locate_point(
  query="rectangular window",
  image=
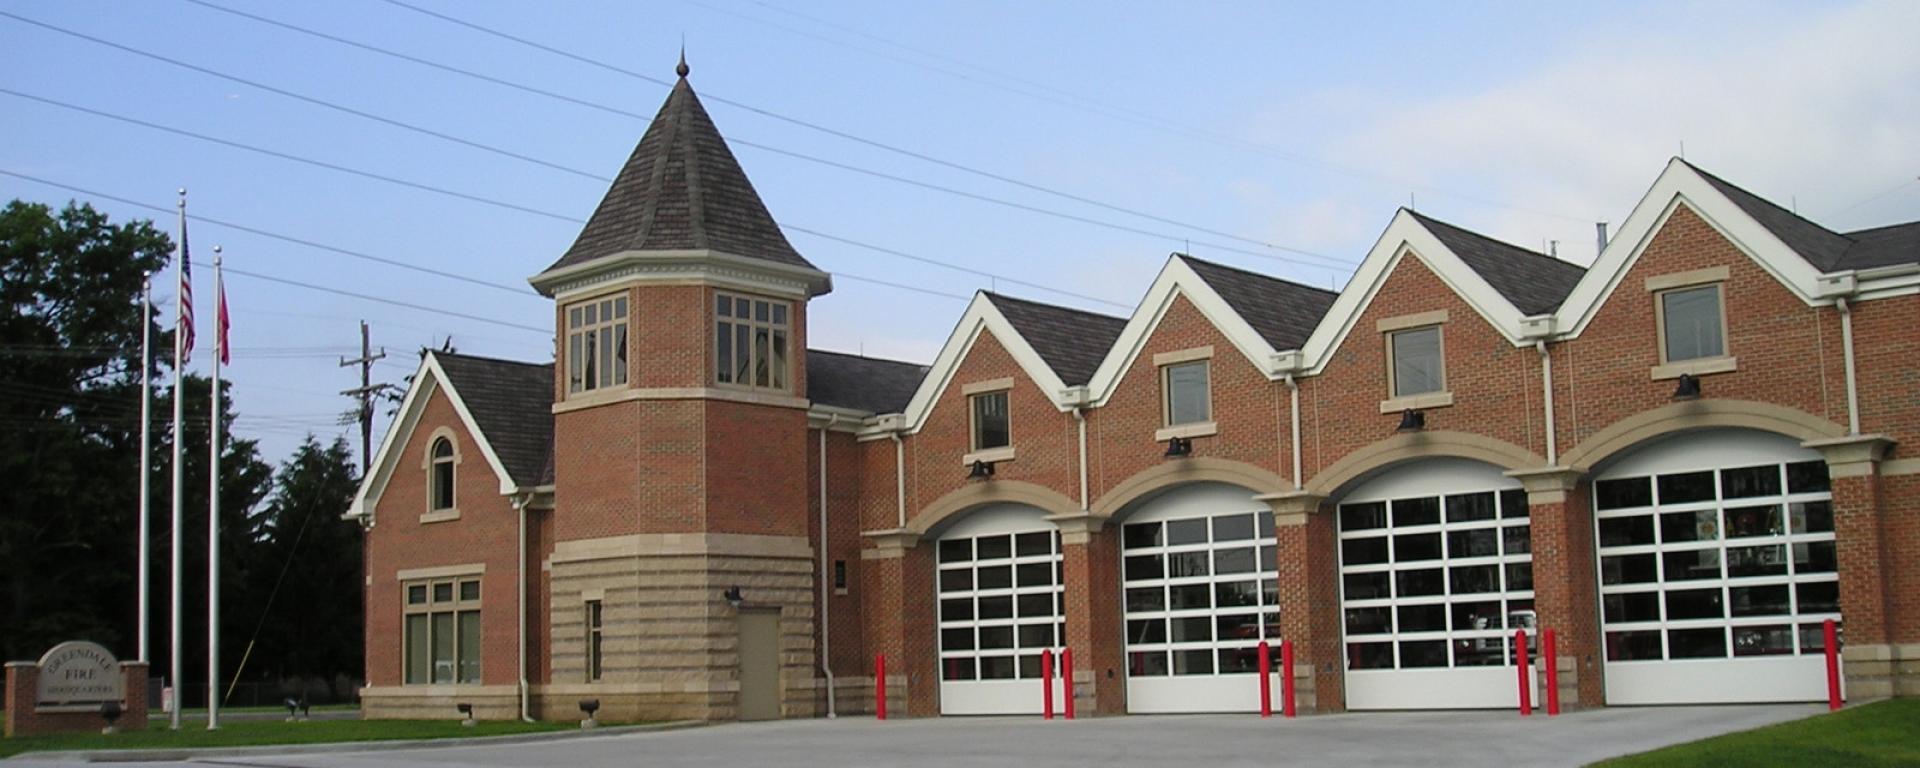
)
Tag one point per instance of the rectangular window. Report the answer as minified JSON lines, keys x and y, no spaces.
{"x":593,"y":641}
{"x":752,"y":339}
{"x":1188,"y":399}
{"x":990,"y":427}
{"x":597,"y":344}
{"x":1692,"y":324}
{"x":1417,"y":367}
{"x":840,"y":575}
{"x":441,"y":632}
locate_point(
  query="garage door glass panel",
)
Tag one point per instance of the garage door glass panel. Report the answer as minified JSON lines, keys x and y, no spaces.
{"x":1716,"y":564}
{"x":1438,"y":582}
{"x":1207,"y":610}
{"x":999,"y":604}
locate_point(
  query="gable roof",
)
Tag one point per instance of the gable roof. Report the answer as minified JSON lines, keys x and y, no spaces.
{"x":1282,"y":312}
{"x":1825,"y":249}
{"x":512,"y":404}
{"x":1883,"y":246}
{"x":862,"y":383}
{"x":682,"y":190}
{"x":1071,"y":341}
{"x":1534,"y":282}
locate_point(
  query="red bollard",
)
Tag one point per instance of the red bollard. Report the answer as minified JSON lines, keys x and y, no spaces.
{"x":1066,"y":678}
{"x":1550,"y":657}
{"x":1526,"y":690}
{"x":880,"y":686}
{"x":1046,"y":684}
{"x":1833,"y":664}
{"x":1286,"y":677}
{"x":1266,"y":682}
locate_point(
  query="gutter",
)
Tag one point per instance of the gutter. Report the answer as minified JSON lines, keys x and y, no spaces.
{"x":520,"y":504}
{"x":826,"y":577}
{"x":1846,"y":346}
{"x":1546,"y":389}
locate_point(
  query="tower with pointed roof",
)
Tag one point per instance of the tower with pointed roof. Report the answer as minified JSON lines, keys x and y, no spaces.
{"x":680,"y":423}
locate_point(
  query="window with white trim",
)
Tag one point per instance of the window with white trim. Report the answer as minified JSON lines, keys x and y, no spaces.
{"x":1692,"y":323}
{"x":441,"y":632}
{"x":597,"y":344}
{"x":751,"y":337}
{"x":1416,"y":365}
{"x":991,"y":426}
{"x":1188,"y":396}
{"x":441,"y":475}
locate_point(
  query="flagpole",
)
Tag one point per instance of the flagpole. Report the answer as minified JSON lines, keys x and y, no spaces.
{"x":146,"y":453}
{"x":213,"y":506}
{"x":179,"y":476}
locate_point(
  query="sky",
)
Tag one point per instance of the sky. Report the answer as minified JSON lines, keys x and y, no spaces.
{"x":919,"y":151}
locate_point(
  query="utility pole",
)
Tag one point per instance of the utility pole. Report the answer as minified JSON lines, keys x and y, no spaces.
{"x":365,"y":393}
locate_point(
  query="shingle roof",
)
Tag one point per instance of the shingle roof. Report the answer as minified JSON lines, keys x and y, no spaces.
{"x":1284,"y":313}
{"x":1071,"y":341}
{"x":682,"y":189}
{"x":1825,"y":249}
{"x":1535,"y":282}
{"x":512,"y":403}
{"x":1881,"y":246}
{"x":861,"y":383}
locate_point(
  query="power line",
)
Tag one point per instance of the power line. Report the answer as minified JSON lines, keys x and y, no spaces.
{"x":291,"y":157}
{"x":1124,"y":114}
{"x":392,"y":302}
{"x":522,"y":290}
{"x":763,"y":112}
{"x":296,"y":96}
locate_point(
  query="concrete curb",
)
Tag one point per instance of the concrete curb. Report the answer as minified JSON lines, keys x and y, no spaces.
{"x":175,"y":755}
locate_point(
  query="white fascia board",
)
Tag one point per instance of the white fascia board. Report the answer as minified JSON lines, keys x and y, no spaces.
{"x":428,"y":378}
{"x":1679,"y":183}
{"x":1177,"y":278}
{"x":382,"y":463}
{"x":981,"y":316}
{"x":1405,"y":237}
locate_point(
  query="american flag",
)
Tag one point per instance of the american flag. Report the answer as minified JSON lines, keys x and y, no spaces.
{"x":220,"y":319}
{"x":185,"y":325}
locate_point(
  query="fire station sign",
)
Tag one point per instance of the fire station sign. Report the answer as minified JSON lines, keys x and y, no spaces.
{"x":79,"y":672}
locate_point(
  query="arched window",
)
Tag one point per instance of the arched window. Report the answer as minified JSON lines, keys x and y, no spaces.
{"x":442,"y":475}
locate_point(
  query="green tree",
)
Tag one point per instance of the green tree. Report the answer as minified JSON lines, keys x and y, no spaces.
{"x":305,"y":596}
{"x":69,"y":423}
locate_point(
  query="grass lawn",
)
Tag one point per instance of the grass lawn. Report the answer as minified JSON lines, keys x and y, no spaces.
{"x":1885,"y":733}
{"x":258,"y":732}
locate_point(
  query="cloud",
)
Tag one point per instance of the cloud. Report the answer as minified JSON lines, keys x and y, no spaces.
{"x":1817,"y":104}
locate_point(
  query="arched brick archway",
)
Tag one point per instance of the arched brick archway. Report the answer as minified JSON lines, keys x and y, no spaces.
{"x":958,"y":502}
{"x":1419,"y":445}
{"x":1185,"y":472}
{"x":1627,"y":433}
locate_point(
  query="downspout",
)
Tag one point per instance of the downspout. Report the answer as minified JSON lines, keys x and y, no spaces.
{"x":826,"y":577}
{"x":1080,"y":416}
{"x":520,"y":506}
{"x":900,"y":478}
{"x":1546,"y":389}
{"x":1294,"y":386}
{"x":1846,"y":346}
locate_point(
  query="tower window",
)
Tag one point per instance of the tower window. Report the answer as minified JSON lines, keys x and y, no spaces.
{"x":751,"y":338}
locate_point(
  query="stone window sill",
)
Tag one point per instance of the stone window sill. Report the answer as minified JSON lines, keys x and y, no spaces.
{"x":440,"y":516}
{"x":1196,"y":429}
{"x":1416,"y":402}
{"x":988,"y":455}
{"x":1699,"y":367}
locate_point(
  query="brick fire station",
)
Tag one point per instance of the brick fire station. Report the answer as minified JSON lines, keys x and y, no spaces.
{"x":1683,"y":459}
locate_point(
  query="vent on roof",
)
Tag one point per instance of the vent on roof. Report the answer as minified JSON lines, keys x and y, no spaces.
{"x":1601,"y":229}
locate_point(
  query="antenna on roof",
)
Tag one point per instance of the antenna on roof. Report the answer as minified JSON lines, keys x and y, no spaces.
{"x":1553,"y":248}
{"x":1411,"y":206}
{"x":1796,"y":204}
{"x":1683,"y":149}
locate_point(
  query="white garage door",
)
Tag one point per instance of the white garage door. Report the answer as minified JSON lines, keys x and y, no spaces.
{"x":1436,"y":572}
{"x":1717,"y":567}
{"x":1201,"y":593}
{"x":999,"y":584}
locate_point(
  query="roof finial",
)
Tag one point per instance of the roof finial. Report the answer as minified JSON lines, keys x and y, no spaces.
{"x":682,"y":69}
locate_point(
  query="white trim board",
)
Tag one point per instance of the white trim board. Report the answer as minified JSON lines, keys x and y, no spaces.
{"x":981,"y":315}
{"x":426,"y":380}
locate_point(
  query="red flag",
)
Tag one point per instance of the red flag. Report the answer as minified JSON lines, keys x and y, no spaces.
{"x":224,"y":324}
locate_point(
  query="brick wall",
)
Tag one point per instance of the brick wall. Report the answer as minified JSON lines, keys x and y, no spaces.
{"x":486,"y":533}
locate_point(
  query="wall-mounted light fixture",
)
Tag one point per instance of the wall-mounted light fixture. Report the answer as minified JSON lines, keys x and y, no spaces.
{"x":1179,"y":447}
{"x":1689,"y":389}
{"x":981,"y":470}
{"x":732,"y":594}
{"x":1412,"y":420}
